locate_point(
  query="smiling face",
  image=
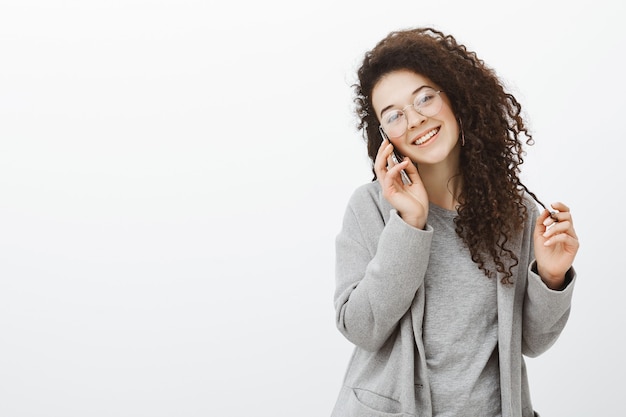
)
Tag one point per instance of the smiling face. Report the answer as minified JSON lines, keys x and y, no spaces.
{"x":427,"y":140}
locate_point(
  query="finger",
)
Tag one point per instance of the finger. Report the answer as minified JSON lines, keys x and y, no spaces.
{"x":548,"y":218}
{"x":559,"y":206}
{"x":558,"y":216}
{"x":563,"y":238}
{"x":395,"y":172}
{"x":391,"y":160}
{"x":558,"y":228}
{"x":561,"y":214}
{"x":411,"y":171}
{"x":380,"y":163}
{"x":386,"y":153}
{"x":564,"y":227}
{"x":544,"y":219}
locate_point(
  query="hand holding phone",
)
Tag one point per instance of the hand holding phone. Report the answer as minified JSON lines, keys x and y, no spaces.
{"x":396,"y":158}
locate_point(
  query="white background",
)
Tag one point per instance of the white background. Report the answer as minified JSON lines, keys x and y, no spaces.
{"x":173,"y":174}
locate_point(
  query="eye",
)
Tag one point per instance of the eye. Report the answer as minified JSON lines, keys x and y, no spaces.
{"x":393,"y":117}
{"x":425,"y":98}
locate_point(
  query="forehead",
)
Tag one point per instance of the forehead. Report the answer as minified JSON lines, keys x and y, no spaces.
{"x":396,"y":89}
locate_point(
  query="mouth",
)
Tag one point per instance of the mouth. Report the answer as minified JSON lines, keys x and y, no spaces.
{"x":426,"y":137}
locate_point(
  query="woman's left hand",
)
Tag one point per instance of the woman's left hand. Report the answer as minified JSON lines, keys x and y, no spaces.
{"x":556,"y":245}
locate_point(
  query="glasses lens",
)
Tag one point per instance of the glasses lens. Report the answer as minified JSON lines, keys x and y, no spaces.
{"x":428,"y":103}
{"x":394,"y":123}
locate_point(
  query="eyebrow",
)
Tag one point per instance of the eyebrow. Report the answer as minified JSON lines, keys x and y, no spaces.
{"x":413,"y":93}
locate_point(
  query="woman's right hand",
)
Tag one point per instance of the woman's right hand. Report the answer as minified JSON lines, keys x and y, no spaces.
{"x":410,"y":200}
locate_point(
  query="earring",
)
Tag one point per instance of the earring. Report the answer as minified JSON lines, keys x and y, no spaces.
{"x":462,"y":132}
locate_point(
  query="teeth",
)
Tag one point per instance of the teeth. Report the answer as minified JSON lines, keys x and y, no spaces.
{"x":426,"y":136}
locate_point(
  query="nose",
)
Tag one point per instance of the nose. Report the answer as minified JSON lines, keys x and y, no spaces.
{"x":413,"y":117}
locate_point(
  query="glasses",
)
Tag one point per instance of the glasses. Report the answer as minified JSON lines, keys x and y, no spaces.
{"x":427,"y":103}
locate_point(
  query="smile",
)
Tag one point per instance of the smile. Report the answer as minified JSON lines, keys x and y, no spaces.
{"x":424,"y":138}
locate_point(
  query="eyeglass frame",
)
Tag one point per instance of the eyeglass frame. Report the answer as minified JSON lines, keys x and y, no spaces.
{"x":437,"y":92}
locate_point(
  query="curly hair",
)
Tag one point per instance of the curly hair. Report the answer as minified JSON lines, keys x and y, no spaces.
{"x":491,"y":203}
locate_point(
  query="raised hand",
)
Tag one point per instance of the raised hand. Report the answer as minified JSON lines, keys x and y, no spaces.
{"x":410,"y":200}
{"x":556,"y":245}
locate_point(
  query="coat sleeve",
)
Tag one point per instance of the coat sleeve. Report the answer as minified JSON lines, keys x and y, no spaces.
{"x":545,"y":311}
{"x":380,"y":264}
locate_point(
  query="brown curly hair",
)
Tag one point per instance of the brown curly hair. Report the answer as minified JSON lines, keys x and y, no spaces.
{"x":491,"y":209}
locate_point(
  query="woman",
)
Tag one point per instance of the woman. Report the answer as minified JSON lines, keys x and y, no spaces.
{"x":447,"y":271}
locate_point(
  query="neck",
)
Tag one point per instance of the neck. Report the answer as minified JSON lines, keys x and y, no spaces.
{"x":442,"y":184}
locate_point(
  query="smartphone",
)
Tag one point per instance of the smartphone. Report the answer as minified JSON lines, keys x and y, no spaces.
{"x":396,"y":158}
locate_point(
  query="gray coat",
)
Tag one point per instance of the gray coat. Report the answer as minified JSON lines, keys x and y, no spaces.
{"x":379,"y":302}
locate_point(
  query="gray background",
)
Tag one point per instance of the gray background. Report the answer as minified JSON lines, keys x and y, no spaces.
{"x":173,"y":174}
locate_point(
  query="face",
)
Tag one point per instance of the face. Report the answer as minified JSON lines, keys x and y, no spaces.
{"x":427,"y":140}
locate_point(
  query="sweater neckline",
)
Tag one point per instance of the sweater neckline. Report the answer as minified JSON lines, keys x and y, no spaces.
{"x":442,"y":211}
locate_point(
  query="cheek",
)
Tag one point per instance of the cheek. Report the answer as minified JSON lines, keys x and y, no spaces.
{"x":450,"y":119}
{"x":400,"y":140}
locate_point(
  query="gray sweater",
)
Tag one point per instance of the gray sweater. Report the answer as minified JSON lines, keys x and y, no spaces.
{"x":381,"y":264}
